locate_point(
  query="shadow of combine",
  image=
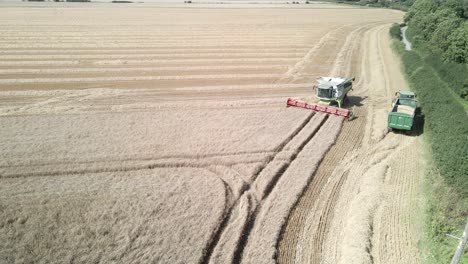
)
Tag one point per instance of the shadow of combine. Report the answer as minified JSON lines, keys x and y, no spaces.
{"x":352,"y":100}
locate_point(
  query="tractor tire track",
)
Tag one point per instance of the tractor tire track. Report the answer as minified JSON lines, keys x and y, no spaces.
{"x":208,"y":252}
{"x":289,"y":243}
{"x":319,"y":228}
{"x":251,"y":221}
{"x":291,"y":247}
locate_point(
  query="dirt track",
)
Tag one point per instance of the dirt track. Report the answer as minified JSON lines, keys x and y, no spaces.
{"x":198,"y":93}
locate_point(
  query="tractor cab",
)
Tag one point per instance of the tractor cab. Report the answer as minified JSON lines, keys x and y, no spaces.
{"x":405,"y":95}
{"x":407,"y":98}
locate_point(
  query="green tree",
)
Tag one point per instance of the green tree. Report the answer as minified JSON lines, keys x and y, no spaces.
{"x":446,"y":22}
{"x":454,"y":5}
{"x":422,"y":19}
{"x":458,"y":48}
{"x":465,"y":8}
{"x":421,"y":8}
{"x":425,"y":24}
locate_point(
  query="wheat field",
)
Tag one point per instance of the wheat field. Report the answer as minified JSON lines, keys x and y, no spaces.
{"x":159,"y":134}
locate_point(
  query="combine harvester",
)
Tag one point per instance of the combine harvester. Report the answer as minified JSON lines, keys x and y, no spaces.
{"x":330,"y":90}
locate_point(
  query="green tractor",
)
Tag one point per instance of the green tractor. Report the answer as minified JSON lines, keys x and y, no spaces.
{"x":402,"y":114}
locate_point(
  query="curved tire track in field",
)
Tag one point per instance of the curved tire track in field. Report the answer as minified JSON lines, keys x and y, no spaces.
{"x":216,"y":237}
{"x":238,"y":256}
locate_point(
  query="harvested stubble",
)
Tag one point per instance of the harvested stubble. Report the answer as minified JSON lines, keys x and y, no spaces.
{"x":248,"y":170}
{"x":227,"y":244}
{"x":268,"y":177}
{"x":88,"y":141}
{"x":63,"y":150}
{"x":262,"y":243}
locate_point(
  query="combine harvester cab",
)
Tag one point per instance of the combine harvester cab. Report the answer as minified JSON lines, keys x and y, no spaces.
{"x":402,"y":114}
{"x":329,"y":90}
{"x":332,"y":90}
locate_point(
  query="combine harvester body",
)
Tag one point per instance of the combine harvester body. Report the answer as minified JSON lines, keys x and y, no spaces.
{"x":332,"y":90}
{"x":329,"y":90}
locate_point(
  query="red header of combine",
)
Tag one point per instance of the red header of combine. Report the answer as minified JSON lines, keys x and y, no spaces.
{"x":319,"y":108}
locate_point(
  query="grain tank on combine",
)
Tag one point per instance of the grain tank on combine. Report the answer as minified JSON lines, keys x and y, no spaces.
{"x":329,"y":90}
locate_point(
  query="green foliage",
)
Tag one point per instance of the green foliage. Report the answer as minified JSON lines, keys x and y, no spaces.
{"x":441,"y":27}
{"x":400,"y":5}
{"x":446,"y":129}
{"x":438,"y":29}
{"x":414,"y":62}
{"x":445,"y":121}
{"x":446,"y":211}
{"x":457,"y":51}
{"x":447,"y":125}
{"x":395,"y":31}
{"x":427,"y":23}
{"x":464,"y":92}
{"x":440,"y":38}
{"x":465,"y":8}
{"x":420,"y":8}
{"x":455,"y":5}
{"x":454,"y":74}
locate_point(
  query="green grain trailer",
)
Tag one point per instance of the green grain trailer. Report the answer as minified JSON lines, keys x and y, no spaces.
{"x":403,"y":111}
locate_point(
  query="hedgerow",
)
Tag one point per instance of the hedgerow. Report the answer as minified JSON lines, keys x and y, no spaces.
{"x":395,"y":31}
{"x":447,"y":125}
{"x":445,"y":121}
{"x":402,"y":5}
{"x":454,"y":74}
{"x":446,"y":131}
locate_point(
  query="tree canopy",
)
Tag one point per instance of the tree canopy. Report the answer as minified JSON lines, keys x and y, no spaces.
{"x":441,"y":26}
